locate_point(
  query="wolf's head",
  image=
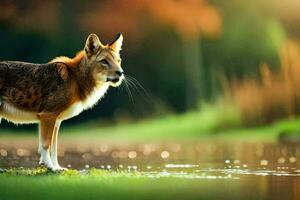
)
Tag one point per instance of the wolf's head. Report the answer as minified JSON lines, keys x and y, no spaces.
{"x":105,"y":60}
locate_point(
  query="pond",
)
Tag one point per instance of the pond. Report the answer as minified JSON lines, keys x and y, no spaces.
{"x":258,"y":170}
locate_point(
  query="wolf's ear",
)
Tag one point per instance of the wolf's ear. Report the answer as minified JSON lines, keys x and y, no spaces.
{"x":92,"y":45}
{"x":116,"y":45}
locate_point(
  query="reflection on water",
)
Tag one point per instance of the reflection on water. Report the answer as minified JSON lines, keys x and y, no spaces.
{"x":271,"y":168}
{"x":221,"y":157}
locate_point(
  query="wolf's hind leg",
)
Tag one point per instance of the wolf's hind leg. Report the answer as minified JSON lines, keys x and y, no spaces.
{"x":47,"y":125}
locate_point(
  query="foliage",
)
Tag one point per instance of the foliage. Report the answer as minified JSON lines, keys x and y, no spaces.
{"x":276,"y":96}
{"x":189,"y":17}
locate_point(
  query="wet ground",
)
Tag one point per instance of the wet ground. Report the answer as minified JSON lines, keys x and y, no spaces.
{"x":270,"y":170}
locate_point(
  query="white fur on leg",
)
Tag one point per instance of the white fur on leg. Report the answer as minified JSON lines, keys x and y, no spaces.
{"x":40,"y":141}
{"x":53,"y":152}
{"x":45,"y":158}
{"x":40,"y":148}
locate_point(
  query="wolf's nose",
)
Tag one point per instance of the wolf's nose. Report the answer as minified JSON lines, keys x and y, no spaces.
{"x":119,"y":73}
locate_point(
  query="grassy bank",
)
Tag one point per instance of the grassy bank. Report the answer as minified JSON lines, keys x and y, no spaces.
{"x":209,"y":124}
{"x":189,"y":127}
{"x":98,"y":184}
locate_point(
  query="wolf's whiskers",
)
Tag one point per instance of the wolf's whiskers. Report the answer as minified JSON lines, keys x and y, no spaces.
{"x":137,"y":87}
{"x":128,"y":90}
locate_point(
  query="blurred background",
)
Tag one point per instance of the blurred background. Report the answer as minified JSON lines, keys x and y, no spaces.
{"x":215,"y":85}
{"x":235,"y":63}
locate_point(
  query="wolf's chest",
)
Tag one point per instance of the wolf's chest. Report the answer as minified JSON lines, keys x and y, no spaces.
{"x":76,"y":108}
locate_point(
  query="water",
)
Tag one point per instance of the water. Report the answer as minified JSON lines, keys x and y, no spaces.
{"x":259,"y":170}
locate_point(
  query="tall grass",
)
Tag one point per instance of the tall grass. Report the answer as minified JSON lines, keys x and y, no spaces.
{"x":276,"y":95}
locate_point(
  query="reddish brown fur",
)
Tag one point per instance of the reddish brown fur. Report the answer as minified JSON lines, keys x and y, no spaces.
{"x":74,"y":62}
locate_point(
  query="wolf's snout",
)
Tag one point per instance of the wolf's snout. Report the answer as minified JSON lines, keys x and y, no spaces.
{"x":119,"y":73}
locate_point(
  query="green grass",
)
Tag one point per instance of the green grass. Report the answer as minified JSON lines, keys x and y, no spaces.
{"x":208,"y":124}
{"x":97,"y":184}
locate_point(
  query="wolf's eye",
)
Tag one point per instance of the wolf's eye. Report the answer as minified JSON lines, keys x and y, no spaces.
{"x":104,"y":62}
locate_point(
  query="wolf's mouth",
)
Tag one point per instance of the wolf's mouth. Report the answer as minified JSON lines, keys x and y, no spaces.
{"x":113,"y":80}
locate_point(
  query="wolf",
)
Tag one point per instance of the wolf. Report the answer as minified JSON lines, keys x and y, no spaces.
{"x":52,"y":92}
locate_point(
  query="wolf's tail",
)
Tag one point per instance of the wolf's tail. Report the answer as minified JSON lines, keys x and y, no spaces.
{"x":3,"y":72}
{"x":1,"y":85}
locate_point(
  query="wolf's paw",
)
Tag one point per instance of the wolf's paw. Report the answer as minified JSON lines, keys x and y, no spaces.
{"x":58,"y":169}
{"x":47,"y":165}
{"x":41,"y":163}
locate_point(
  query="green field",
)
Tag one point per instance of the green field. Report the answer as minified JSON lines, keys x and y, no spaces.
{"x":209,"y":124}
{"x":97,"y":184}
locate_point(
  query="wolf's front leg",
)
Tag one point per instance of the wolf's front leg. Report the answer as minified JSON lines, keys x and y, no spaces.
{"x":47,"y":126}
{"x":53,"y":151}
{"x":40,"y":148}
